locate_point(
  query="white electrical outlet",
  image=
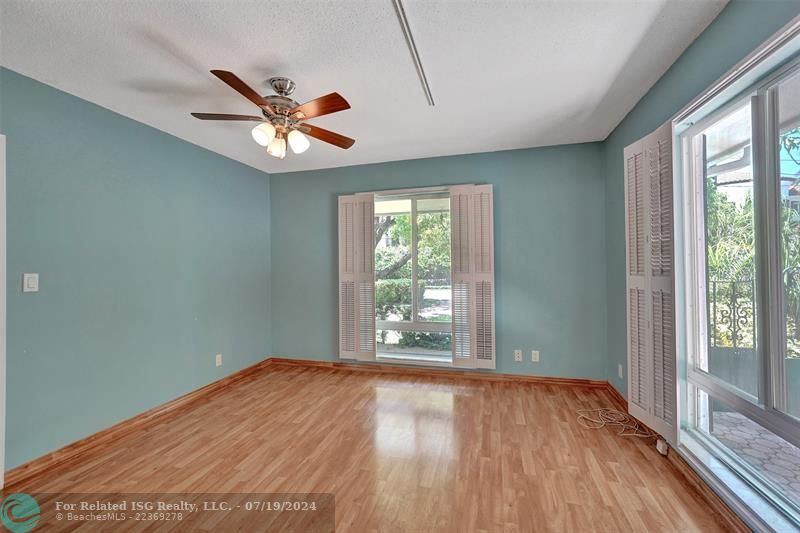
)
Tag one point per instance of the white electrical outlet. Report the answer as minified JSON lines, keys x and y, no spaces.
{"x":518,"y":356}
{"x":218,"y":359}
{"x":535,"y":356}
{"x":30,"y":282}
{"x":619,"y":370}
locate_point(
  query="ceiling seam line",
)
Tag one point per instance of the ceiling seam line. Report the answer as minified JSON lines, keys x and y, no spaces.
{"x":412,"y":48}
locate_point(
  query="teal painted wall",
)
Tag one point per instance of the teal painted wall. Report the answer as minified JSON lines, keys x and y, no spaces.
{"x":549,"y":252}
{"x":153,"y":255}
{"x":739,"y":29}
{"x":156,"y":254}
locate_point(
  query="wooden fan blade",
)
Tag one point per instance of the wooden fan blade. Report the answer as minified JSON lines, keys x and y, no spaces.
{"x":225,"y":116}
{"x":324,"y":105}
{"x":330,"y":137}
{"x":242,"y":88}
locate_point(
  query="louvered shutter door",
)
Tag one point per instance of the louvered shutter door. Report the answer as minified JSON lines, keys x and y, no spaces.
{"x":652,"y":384}
{"x":472,"y":227}
{"x":635,"y":212}
{"x":658,"y":153}
{"x":356,"y":277}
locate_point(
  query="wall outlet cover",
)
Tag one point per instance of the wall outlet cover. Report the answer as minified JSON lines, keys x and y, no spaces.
{"x":662,"y":446}
{"x":535,"y":356}
{"x":218,"y":359}
{"x":619,"y":370}
{"x":518,"y":356}
{"x":30,"y":282}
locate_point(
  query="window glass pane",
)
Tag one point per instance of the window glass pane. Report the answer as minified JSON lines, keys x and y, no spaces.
{"x":433,"y":259}
{"x":435,"y":346}
{"x":789,"y":174}
{"x":393,"y":260}
{"x":771,"y":461}
{"x":730,"y":253}
{"x":412,"y":283}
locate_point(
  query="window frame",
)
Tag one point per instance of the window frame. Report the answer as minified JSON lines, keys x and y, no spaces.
{"x":769,"y":408}
{"x":763,"y":65}
{"x":765,"y":409}
{"x":754,"y":479}
{"x":696,"y":271}
{"x":415,"y":324}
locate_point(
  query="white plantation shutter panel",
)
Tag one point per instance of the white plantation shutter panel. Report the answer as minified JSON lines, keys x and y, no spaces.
{"x":637,"y":329}
{"x":652,"y":385}
{"x":634,"y":167}
{"x":483,"y":250}
{"x":658,"y":152}
{"x":472,"y":227}
{"x":462,"y":277}
{"x":347,"y":283}
{"x":659,"y":159}
{"x":663,"y":357}
{"x":638,"y":364}
{"x":356,"y":277}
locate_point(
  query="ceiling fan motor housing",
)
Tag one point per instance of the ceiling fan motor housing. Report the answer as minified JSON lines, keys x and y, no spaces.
{"x":282,"y":86}
{"x":281,"y":104}
{"x":281,"y":101}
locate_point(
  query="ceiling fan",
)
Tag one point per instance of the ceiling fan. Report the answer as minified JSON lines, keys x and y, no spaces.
{"x":283,"y":120}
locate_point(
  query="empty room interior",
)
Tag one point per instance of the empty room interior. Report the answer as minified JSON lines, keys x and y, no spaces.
{"x":400,"y":265}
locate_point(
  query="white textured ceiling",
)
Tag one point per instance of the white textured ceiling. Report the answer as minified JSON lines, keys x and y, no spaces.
{"x":504,"y":74}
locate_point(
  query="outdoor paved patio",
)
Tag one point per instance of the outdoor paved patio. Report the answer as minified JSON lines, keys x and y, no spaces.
{"x":775,"y":458}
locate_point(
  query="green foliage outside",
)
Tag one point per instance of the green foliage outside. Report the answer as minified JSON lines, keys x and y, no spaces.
{"x":730,"y":234}
{"x":393,"y":271}
{"x":730,"y":259}
{"x":427,"y":341}
{"x":433,"y":256}
{"x":730,"y":253}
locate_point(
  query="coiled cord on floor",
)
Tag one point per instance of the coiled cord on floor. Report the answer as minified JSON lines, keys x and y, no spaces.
{"x":603,"y":417}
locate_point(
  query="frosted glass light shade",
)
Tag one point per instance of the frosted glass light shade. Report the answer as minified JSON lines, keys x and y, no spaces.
{"x":298,"y":142}
{"x":263,"y":133}
{"x":277,"y":148}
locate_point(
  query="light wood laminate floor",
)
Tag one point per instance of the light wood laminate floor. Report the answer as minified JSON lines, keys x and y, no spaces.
{"x":405,"y":453}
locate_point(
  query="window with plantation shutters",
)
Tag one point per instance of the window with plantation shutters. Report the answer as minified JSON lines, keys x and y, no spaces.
{"x":356,"y":278}
{"x":652,"y":385}
{"x":416,"y":308}
{"x":473,"y":276}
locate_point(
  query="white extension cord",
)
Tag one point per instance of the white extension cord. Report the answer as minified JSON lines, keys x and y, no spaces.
{"x":628,"y":425}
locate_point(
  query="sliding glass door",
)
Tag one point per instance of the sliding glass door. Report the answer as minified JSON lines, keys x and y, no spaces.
{"x":786,"y":94}
{"x":742,"y":398}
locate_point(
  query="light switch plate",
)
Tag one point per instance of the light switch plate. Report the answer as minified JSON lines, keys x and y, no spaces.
{"x":30,"y":282}
{"x":535,"y":356}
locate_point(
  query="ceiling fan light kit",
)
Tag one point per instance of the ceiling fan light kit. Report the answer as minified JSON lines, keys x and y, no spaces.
{"x":284,"y":120}
{"x":277,"y":148}
{"x":298,"y":142}
{"x":264,"y":133}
